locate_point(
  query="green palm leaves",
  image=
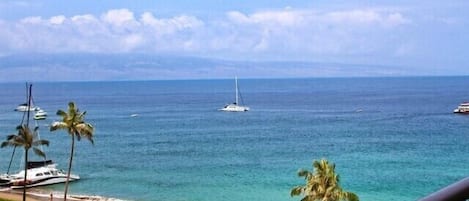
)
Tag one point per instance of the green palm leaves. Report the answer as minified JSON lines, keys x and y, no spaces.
{"x":74,"y":123}
{"x":26,"y":139}
{"x":322,"y":185}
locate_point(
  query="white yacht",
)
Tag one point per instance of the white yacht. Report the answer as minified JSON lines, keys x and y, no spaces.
{"x":462,"y":108}
{"x":40,"y":176}
{"x":40,"y":115}
{"x":24,"y":108}
{"x":235,"y":107}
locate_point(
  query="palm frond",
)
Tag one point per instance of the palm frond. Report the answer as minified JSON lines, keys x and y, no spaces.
{"x":61,"y":113}
{"x":308,"y":198}
{"x":85,"y":128}
{"x":350,"y":196}
{"x":296,"y":191}
{"x":39,"y":152}
{"x":19,"y":141}
{"x":71,"y":105}
{"x":10,"y":137}
{"x":71,"y":109}
{"x":19,"y":127}
{"x":5,"y":144}
{"x":77,"y":134}
{"x":58,"y":125}
{"x":303,"y":172}
{"x":91,"y":140}
{"x":41,"y":142}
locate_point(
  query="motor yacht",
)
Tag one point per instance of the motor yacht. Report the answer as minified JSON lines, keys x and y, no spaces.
{"x":37,"y":175}
{"x":40,"y":115}
{"x":462,"y":108}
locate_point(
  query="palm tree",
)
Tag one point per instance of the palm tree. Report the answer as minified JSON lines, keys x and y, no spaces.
{"x":26,"y":139}
{"x":73,"y":122}
{"x":322,"y":185}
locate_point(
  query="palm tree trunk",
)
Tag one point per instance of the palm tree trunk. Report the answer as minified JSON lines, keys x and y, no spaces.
{"x":69,"y":166}
{"x":25,"y":173}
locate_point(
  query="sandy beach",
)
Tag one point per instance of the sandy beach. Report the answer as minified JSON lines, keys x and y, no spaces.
{"x":16,"y":195}
{"x":35,"y":195}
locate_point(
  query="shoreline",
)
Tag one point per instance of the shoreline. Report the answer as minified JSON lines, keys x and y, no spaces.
{"x":18,"y":195}
{"x":40,"y":195}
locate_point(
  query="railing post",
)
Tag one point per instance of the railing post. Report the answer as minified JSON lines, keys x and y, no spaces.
{"x":458,"y":191}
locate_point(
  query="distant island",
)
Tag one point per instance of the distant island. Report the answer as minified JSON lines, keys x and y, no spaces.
{"x":112,"y":67}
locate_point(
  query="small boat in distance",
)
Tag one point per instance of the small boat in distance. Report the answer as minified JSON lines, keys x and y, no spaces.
{"x":463,"y":108}
{"x":24,"y":108}
{"x":235,"y":107}
{"x":40,"y":115}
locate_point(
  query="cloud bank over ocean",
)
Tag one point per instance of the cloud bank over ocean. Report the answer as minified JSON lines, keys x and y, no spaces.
{"x":291,"y":31}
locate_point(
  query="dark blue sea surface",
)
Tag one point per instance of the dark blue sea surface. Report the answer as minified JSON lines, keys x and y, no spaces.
{"x":390,"y":138}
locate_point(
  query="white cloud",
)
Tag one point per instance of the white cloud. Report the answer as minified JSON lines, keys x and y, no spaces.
{"x":238,"y":17}
{"x":118,"y":17}
{"x":57,"y":19}
{"x":287,"y":32}
{"x":131,"y":41}
{"x":396,"y":19}
{"x":32,"y":20}
{"x":354,"y":16}
{"x":170,"y":25}
{"x":280,"y":18}
{"x":367,"y":17}
{"x":82,"y":19}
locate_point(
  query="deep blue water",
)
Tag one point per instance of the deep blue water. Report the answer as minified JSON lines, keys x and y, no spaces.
{"x":390,"y":138}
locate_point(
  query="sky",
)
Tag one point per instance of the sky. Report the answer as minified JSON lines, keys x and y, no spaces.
{"x":422,"y":37}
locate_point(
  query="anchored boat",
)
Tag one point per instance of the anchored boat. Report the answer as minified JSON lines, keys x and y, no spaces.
{"x":462,"y":108}
{"x":235,"y":107}
{"x":40,"y":176}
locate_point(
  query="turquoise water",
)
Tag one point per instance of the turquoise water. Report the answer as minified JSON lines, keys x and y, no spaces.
{"x":391,"y":138}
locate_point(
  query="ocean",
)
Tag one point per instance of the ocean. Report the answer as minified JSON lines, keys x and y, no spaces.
{"x":390,"y":138}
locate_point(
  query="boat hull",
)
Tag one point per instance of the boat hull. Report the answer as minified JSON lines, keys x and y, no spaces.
{"x":463,"y":108}
{"x":234,"y":108}
{"x":39,"y":117}
{"x":43,"y":182}
{"x":5,"y":182}
{"x":37,"y":175}
{"x":461,"y":111}
{"x":26,"y":109}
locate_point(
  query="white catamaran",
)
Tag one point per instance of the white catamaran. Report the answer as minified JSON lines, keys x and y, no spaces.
{"x":235,"y":107}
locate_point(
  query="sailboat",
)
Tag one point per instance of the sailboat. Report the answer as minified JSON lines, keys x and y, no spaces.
{"x":235,"y":107}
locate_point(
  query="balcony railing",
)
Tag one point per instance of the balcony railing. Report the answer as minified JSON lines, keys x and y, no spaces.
{"x":458,"y":191}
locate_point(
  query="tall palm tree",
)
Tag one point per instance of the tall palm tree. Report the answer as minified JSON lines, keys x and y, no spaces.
{"x":26,"y":139}
{"x":322,"y":185}
{"x":74,"y":123}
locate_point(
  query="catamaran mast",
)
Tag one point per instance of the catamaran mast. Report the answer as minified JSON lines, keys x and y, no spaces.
{"x":236,"y":87}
